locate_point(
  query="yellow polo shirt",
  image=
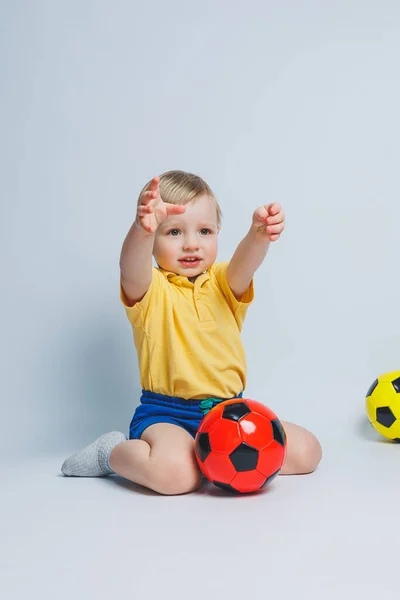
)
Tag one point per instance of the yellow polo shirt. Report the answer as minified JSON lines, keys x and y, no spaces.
{"x":187,"y":335}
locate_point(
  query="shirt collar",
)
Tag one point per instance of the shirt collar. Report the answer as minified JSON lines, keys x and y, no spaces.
{"x":182,"y":280}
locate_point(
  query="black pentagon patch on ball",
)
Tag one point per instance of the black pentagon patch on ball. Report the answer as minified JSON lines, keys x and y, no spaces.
{"x":271,"y":478}
{"x":396,"y":384}
{"x":279,"y":432}
{"x":244,"y":458}
{"x":384,"y":416}
{"x":372,"y":387}
{"x":225,"y":486}
{"x":203,"y":447}
{"x":235,"y":411}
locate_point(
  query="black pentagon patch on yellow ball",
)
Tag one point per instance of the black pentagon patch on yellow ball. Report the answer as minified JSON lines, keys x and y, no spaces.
{"x":396,"y":384}
{"x":371,"y":388}
{"x":384,"y":416}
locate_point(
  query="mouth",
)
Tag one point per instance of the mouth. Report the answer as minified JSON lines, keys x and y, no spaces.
{"x":190,"y":261}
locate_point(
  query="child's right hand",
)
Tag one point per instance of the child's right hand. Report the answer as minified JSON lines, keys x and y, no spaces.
{"x":152,"y":210}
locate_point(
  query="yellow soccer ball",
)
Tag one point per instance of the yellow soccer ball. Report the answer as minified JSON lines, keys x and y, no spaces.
{"x":383,"y":405}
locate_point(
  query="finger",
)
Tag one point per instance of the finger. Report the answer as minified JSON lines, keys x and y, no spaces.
{"x":274,"y":237}
{"x":147,"y":201}
{"x":148,"y":227}
{"x":274,"y":229}
{"x":279,"y":218}
{"x":154,"y":183}
{"x":175,"y":209}
{"x":273,"y":209}
{"x":261,"y":213}
{"x":147,"y":197}
{"x":142,"y":211}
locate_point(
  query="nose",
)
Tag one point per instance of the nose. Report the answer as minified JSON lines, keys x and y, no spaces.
{"x":191,"y":242}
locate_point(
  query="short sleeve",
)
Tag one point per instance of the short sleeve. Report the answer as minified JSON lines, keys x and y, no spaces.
{"x":139,"y":312}
{"x":238,"y":307}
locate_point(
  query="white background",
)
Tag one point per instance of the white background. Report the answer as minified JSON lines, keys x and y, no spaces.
{"x":291,"y":101}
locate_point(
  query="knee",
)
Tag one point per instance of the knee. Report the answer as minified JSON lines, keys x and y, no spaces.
{"x":177,"y":476}
{"x":311,"y":453}
{"x":304,"y":453}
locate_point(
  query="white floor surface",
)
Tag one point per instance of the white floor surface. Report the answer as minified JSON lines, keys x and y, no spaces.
{"x":332,"y":534}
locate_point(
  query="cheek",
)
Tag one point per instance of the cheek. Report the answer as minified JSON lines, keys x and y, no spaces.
{"x":212,"y":247}
{"x":164,"y":247}
{"x":158,"y":248}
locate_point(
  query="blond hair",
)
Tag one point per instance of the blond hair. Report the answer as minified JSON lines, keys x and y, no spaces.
{"x":179,"y":187}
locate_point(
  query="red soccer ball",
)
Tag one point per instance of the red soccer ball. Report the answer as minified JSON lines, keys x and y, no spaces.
{"x":240,"y":445}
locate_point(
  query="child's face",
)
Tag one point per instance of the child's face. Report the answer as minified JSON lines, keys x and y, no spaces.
{"x":192,"y":235}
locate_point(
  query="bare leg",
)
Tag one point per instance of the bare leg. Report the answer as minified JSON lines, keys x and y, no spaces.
{"x":162,"y":460}
{"x":303,"y":453}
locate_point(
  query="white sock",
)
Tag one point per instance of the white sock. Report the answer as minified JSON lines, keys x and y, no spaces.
{"x":93,"y":461}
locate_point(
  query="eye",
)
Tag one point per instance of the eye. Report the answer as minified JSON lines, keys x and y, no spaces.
{"x":205,"y":231}
{"x":173,"y":232}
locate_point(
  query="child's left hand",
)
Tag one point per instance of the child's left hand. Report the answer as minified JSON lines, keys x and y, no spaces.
{"x":269,"y":220}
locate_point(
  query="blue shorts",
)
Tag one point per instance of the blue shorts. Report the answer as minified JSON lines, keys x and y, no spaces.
{"x":157,"y":408}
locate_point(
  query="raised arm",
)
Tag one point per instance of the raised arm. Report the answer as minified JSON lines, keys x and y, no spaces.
{"x":136,"y":253}
{"x":267,"y":225}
